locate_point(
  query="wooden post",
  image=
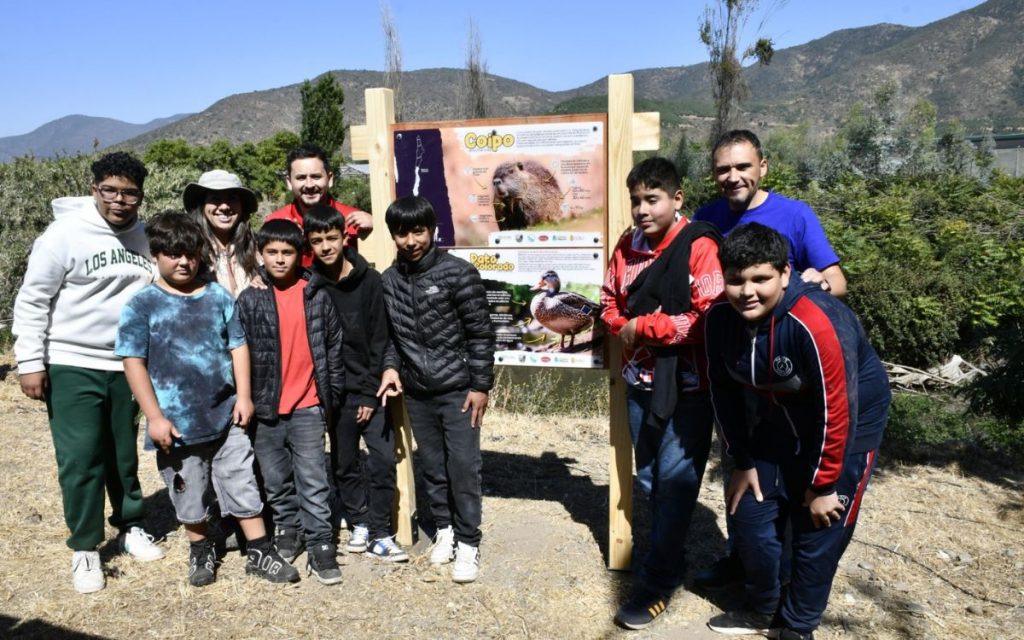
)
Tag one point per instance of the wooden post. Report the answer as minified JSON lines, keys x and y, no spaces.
{"x":373,"y":142}
{"x":627,"y":132}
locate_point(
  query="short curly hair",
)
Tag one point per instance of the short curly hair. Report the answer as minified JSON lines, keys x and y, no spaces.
{"x":174,"y":233}
{"x":121,"y":164}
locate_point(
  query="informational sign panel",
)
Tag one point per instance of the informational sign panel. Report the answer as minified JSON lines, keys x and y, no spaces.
{"x":544,"y":304}
{"x":486,"y":177}
{"x":525,"y":201}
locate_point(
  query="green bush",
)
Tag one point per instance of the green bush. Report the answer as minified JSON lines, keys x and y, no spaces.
{"x":940,"y":427}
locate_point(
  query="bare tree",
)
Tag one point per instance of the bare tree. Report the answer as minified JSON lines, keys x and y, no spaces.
{"x":392,"y":56}
{"x":476,"y":75}
{"x":720,"y":32}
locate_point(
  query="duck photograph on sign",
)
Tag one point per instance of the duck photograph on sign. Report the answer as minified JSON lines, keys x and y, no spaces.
{"x":544,"y":304}
{"x":508,"y":182}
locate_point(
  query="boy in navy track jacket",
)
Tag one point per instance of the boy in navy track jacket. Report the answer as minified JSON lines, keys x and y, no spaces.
{"x":801,"y":399}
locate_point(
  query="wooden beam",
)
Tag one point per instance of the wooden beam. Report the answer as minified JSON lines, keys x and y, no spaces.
{"x":620,"y":468}
{"x":359,"y":140}
{"x":646,"y":131}
{"x":373,"y":142}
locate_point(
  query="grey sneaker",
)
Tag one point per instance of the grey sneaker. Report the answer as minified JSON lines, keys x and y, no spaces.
{"x":387,"y":549}
{"x":358,"y":540}
{"x":444,"y":546}
{"x":322,"y":561}
{"x":288,"y":543}
{"x":268,"y":564}
{"x":87,"y":572}
{"x":202,"y":563}
{"x":467,"y":563}
{"x":741,"y":623}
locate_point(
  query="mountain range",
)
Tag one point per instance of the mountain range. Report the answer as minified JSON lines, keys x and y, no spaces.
{"x":969,"y":65}
{"x":76,"y":134}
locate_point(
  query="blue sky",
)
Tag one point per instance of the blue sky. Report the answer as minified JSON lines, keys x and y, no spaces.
{"x":136,"y":61}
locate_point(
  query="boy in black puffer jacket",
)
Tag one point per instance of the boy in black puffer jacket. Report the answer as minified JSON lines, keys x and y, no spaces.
{"x":444,"y":359}
{"x":298,"y":379}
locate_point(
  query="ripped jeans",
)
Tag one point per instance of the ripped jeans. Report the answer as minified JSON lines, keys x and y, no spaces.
{"x":226,"y":462}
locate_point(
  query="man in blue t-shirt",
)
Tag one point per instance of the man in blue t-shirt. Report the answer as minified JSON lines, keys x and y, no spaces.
{"x":739,"y":166}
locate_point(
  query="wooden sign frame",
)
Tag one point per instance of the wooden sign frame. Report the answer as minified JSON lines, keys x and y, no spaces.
{"x":626,"y":132}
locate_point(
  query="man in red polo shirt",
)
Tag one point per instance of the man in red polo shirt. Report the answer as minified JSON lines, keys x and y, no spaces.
{"x":310,"y":179}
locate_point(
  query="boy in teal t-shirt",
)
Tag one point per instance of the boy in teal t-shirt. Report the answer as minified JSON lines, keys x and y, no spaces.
{"x":187,"y":363}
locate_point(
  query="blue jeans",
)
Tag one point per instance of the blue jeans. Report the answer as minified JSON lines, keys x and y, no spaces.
{"x":669,"y":465}
{"x":290,"y":452}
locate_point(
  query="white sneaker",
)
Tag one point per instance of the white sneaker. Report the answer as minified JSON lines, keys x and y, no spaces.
{"x":87,"y":572}
{"x":359,"y":539}
{"x":387,"y":549}
{"x":444,"y":546}
{"x":467,"y":563}
{"x":139,"y":544}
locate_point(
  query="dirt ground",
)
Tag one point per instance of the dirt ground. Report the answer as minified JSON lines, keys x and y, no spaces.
{"x":938,"y":553}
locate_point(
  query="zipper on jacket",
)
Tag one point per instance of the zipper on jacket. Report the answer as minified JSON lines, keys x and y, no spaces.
{"x":753,"y":361}
{"x":419,"y":330}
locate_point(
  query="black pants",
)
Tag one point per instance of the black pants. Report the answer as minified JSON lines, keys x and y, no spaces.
{"x":448,"y":454}
{"x":364,"y":500}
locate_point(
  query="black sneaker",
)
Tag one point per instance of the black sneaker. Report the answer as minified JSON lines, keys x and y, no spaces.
{"x":641,"y":608}
{"x":202,"y":563}
{"x":268,"y":564}
{"x":322,"y":562}
{"x":789,"y":634}
{"x":742,"y":622}
{"x":288,"y":543}
{"x":726,"y":572}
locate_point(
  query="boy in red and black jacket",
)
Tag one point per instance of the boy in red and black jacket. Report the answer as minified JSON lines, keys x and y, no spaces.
{"x":662,"y":277}
{"x":802,"y":400}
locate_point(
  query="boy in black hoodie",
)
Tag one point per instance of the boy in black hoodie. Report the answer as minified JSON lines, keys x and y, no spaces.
{"x":359,"y":298}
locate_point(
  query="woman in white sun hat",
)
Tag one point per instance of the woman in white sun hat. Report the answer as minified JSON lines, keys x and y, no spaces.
{"x":222,"y":206}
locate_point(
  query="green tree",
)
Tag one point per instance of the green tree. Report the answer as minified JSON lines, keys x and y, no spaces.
{"x":720,"y":32}
{"x":323,"y":114}
{"x":170,"y":153}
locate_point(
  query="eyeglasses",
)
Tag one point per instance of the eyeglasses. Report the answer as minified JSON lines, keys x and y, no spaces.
{"x":129,"y":196}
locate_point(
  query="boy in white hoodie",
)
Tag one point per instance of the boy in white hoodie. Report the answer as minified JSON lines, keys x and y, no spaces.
{"x":81,"y":272}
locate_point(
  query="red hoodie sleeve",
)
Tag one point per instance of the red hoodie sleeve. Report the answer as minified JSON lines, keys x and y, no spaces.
{"x":611,"y":295}
{"x":707,"y":283}
{"x":823,"y":356}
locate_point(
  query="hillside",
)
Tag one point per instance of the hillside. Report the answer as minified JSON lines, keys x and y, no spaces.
{"x":76,"y":134}
{"x":426,"y":94}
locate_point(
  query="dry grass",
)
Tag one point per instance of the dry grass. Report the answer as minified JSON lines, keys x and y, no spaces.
{"x":545,"y":523}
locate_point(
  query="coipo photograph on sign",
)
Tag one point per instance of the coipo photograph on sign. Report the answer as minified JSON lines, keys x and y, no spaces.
{"x":492,"y":181}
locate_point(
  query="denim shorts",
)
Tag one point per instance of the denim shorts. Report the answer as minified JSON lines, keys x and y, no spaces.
{"x":227,"y":462}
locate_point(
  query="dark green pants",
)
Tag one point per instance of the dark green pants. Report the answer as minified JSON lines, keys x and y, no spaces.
{"x":92,"y":419}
